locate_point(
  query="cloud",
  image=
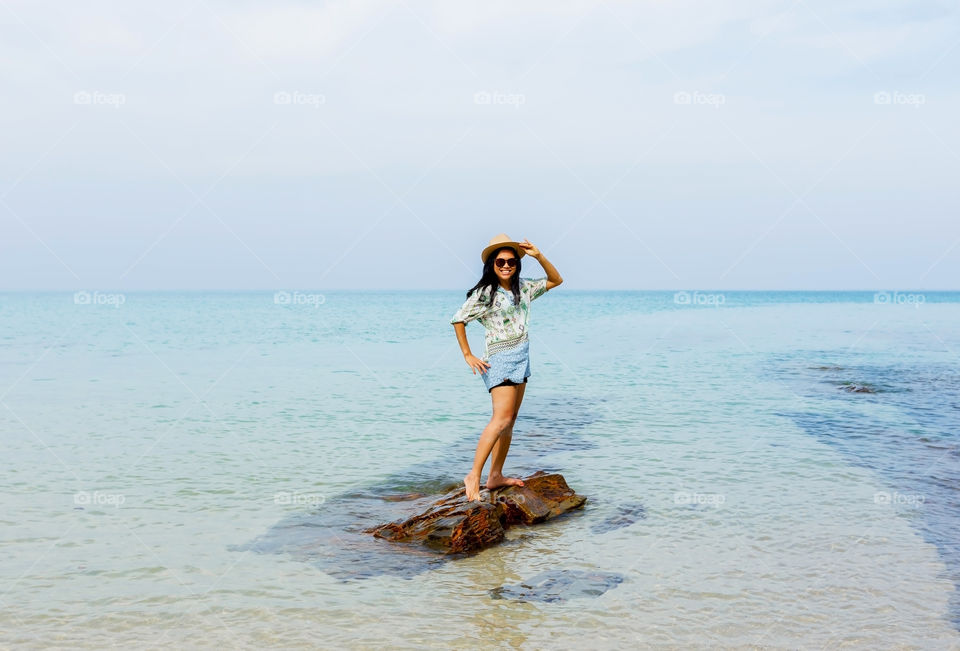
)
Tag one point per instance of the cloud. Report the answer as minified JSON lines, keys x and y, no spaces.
{"x":298,"y":31}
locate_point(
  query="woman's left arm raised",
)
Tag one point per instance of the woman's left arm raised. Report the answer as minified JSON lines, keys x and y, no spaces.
{"x":553,"y":276}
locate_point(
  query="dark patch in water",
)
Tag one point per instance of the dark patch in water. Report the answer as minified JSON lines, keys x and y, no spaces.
{"x":400,"y":488}
{"x":852,"y":387}
{"x":560,"y":585}
{"x":841,"y":378}
{"x":623,"y":516}
{"x":331,"y":537}
{"x":915,"y":455}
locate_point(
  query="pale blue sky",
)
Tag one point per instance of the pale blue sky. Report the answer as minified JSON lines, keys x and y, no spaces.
{"x":640,"y":145}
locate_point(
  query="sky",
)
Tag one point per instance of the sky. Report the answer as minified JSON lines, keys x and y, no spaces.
{"x":719,"y":144}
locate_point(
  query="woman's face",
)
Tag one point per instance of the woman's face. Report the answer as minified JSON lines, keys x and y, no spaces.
{"x":504,"y":272}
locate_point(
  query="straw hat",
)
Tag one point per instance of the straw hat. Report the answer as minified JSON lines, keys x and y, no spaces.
{"x":502,"y":240}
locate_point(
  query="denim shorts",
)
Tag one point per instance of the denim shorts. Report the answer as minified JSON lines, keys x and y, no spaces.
{"x":511,"y":366}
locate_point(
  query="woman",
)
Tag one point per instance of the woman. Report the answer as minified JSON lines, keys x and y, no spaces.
{"x":501,"y":302}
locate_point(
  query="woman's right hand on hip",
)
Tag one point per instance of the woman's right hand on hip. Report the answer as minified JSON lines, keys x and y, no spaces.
{"x":476,"y":364}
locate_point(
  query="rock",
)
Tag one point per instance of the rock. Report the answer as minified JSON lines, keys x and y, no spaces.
{"x":851,"y":387}
{"x":454,"y":525}
{"x":559,"y":585}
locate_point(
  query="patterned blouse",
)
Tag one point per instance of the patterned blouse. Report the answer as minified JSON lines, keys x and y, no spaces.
{"x":505,"y":323}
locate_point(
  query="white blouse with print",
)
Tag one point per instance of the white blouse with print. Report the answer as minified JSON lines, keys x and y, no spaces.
{"x":505,"y":323}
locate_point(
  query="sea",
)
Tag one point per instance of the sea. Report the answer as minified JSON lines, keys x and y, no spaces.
{"x":197,"y":470}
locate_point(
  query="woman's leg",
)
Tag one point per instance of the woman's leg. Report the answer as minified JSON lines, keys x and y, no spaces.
{"x":503,"y":413}
{"x":502,"y":446}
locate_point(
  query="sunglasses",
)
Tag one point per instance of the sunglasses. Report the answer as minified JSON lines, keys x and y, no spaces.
{"x":510,"y":262}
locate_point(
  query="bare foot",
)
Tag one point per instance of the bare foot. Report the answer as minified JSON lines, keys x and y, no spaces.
{"x":472,"y":484}
{"x":497,"y":480}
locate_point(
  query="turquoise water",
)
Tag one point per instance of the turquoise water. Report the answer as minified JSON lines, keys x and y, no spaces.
{"x":190,"y":468}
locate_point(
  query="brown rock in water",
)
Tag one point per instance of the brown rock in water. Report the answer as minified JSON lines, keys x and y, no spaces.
{"x":453,"y":525}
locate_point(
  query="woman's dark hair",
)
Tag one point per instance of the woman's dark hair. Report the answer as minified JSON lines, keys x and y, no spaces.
{"x":489,"y":278}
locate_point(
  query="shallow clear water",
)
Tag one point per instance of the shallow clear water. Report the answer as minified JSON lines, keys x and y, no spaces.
{"x":188,"y":469}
